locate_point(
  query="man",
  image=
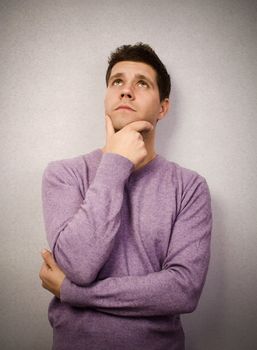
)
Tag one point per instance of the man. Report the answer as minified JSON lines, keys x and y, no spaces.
{"x":129,"y":230}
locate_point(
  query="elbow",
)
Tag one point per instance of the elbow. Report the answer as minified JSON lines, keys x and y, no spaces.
{"x":189,"y":302}
{"x":187,"y":290}
{"x":80,"y":277}
{"x":185,"y":302}
{"x":77,"y":271}
{"x":190,"y":307}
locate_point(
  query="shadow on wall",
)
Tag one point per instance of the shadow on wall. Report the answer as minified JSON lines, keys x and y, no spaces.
{"x":167,"y":127}
{"x":204,"y":328}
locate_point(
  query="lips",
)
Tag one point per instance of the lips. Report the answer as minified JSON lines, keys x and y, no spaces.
{"x":125,"y":107}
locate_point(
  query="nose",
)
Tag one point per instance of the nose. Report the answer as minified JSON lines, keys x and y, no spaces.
{"x":127,"y":92}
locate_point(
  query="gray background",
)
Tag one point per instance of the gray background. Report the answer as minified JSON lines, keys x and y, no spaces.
{"x":53,"y":60}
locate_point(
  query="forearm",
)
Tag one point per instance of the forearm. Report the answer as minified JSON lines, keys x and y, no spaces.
{"x":174,"y":290}
{"x":156,"y":294}
{"x":81,"y":231}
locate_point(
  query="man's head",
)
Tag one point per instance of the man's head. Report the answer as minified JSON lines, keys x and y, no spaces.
{"x":142,"y":53}
{"x":138,"y":86}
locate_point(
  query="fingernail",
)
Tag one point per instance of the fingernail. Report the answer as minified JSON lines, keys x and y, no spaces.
{"x":43,"y":251}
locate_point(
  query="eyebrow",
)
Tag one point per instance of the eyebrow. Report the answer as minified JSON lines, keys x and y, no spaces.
{"x":137,"y":76}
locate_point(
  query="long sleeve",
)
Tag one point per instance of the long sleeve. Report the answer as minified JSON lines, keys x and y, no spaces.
{"x":81,"y":231}
{"x":173,"y":290}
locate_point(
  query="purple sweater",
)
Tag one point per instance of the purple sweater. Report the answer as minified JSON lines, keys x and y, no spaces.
{"x":135,"y":248}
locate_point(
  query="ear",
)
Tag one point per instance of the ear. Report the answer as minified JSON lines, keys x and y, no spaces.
{"x":164,"y":107}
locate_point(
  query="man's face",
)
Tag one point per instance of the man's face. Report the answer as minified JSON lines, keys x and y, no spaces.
{"x":132,"y":94}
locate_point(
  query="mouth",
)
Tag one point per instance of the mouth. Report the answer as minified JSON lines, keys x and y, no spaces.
{"x":124,"y":107}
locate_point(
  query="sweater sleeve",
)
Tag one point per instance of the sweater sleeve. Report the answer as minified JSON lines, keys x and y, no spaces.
{"x":173,"y":290}
{"x":81,"y":231}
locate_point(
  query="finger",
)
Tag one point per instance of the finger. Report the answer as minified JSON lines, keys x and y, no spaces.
{"x":48,"y":258}
{"x":44,"y":285}
{"x":109,"y":127}
{"x":140,"y":125}
{"x":43,"y":271}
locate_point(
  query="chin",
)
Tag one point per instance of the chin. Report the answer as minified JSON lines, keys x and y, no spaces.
{"x":118,"y":126}
{"x":120,"y":120}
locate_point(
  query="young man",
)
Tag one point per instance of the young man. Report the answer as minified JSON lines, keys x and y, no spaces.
{"x":129,"y":230}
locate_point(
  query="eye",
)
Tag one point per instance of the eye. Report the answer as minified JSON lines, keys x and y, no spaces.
{"x":143,"y":83}
{"x":117,"y":82}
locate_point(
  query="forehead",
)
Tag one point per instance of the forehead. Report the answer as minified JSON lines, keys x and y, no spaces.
{"x":131,"y":68}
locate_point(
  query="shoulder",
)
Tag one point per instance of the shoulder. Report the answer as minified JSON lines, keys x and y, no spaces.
{"x":180,"y":175}
{"x":69,"y":169}
{"x":187,"y":184}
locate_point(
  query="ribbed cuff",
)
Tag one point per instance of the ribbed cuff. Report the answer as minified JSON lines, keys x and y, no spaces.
{"x":114,"y":169}
{"x":74,"y":295}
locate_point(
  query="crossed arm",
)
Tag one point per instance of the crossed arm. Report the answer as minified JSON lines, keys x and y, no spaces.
{"x":175,"y":289}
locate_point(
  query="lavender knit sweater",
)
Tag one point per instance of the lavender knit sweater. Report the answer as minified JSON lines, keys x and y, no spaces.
{"x":135,"y":248}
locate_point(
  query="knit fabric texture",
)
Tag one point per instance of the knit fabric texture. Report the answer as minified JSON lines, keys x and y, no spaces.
{"x":134,"y":246}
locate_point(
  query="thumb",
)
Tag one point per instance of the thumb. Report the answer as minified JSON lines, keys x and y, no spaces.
{"x":109,"y":127}
{"x":48,"y":258}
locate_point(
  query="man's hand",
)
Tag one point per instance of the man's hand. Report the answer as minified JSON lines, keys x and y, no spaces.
{"x":128,"y":142}
{"x":50,"y":274}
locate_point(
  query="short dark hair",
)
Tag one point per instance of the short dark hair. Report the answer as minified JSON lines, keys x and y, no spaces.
{"x":142,"y":53}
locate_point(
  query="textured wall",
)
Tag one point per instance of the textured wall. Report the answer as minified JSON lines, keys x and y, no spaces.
{"x":53,"y":60}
